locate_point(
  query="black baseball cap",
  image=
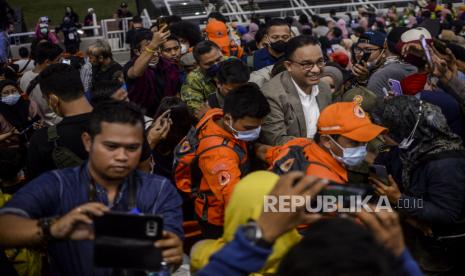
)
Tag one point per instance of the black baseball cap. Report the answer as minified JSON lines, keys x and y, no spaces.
{"x":123,"y":5}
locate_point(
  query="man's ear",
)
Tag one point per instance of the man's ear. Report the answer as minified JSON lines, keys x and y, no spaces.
{"x":287,"y":64}
{"x":86,"y":141}
{"x":53,"y":100}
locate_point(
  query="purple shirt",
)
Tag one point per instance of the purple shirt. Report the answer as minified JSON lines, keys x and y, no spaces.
{"x":147,"y":91}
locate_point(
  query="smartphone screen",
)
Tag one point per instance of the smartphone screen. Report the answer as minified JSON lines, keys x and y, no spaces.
{"x":424,"y":45}
{"x":395,"y":87}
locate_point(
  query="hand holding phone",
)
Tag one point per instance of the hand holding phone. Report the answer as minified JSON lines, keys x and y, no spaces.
{"x":425,"y":47}
{"x":395,"y":87}
{"x":380,"y":172}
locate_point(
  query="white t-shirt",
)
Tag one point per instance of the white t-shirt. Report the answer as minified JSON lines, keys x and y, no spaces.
{"x":45,"y":111}
{"x":310,"y":107}
{"x":22,"y":62}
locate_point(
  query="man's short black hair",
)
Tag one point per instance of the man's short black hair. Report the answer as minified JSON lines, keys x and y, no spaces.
{"x":246,"y":101}
{"x":47,"y":51}
{"x":276,"y":22}
{"x":136,"y":19}
{"x":104,"y":90}
{"x":23,"y":52}
{"x":394,"y":37}
{"x":233,"y":70}
{"x":61,"y":80}
{"x":139,"y":36}
{"x":218,"y":16}
{"x":170,"y":38}
{"x":334,"y":247}
{"x":298,"y":42}
{"x":203,"y":48}
{"x":114,"y":112}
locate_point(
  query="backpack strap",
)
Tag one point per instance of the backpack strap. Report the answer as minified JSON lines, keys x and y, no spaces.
{"x":62,"y":156}
{"x":25,"y":66}
{"x":34,"y":82}
{"x":196,"y":172}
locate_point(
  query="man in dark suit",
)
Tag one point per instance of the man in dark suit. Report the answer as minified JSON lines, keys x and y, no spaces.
{"x":296,"y":96}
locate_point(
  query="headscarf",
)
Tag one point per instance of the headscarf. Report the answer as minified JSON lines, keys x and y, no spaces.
{"x":432,"y":135}
{"x":341,"y":24}
{"x":246,"y":203}
{"x":250,"y":35}
{"x":335,"y":74}
{"x":18,"y":114}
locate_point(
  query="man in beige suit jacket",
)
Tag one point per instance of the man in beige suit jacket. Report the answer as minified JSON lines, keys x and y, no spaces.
{"x":296,"y":96}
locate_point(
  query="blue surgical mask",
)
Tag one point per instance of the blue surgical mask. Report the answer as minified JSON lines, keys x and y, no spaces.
{"x":247,"y":135}
{"x":11,"y":99}
{"x":213,"y":70}
{"x":350,"y":156}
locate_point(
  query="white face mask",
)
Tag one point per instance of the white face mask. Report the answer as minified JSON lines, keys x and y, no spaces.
{"x":184,"y":49}
{"x":350,"y":156}
{"x":247,"y":135}
{"x":11,"y":99}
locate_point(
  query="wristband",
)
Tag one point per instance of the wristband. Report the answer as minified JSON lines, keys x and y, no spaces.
{"x":147,"y":49}
{"x":45,"y":225}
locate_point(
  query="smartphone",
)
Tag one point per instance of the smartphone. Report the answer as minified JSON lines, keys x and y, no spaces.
{"x":424,"y":45}
{"x":66,"y":61}
{"x":126,"y":241}
{"x":161,"y":23}
{"x":395,"y":87}
{"x":380,"y":172}
{"x":365,"y":58}
{"x":348,"y":192}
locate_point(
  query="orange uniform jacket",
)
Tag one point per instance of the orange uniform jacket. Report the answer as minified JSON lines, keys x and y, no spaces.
{"x":221,"y":169}
{"x":314,"y":153}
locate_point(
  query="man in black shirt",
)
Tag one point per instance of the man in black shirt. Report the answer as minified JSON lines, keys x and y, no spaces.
{"x":62,"y":87}
{"x":103,"y":65}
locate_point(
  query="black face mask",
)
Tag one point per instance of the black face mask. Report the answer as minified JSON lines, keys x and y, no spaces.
{"x":279,"y":46}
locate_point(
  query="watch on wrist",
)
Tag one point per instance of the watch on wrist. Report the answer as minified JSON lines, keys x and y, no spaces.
{"x":254,"y":234}
{"x":45,"y":225}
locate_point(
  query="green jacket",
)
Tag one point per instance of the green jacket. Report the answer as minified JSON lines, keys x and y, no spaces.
{"x":196,"y":89}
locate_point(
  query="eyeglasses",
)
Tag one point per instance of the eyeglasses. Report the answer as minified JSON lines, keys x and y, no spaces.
{"x":307,"y":66}
{"x":358,"y":50}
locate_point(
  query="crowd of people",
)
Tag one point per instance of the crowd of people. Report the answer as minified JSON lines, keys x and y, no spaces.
{"x":199,"y":125}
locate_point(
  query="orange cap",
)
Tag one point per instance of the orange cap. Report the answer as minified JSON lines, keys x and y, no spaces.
{"x":349,"y":120}
{"x":218,"y":33}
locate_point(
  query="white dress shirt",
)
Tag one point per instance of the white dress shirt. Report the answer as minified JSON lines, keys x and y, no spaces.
{"x":310,"y":107}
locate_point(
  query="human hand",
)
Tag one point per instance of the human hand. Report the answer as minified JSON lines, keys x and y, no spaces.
{"x":159,"y":37}
{"x":77,"y":224}
{"x":172,"y":248}
{"x":274,"y":224}
{"x":361,"y":71}
{"x":391,"y":191}
{"x":261,"y":150}
{"x":159,"y":129}
{"x":445,"y":66}
{"x":385,"y":226}
{"x":38,"y":125}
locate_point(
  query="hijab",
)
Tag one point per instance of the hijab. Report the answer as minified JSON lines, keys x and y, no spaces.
{"x":246,"y":203}
{"x":432,"y":135}
{"x":18,"y":114}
